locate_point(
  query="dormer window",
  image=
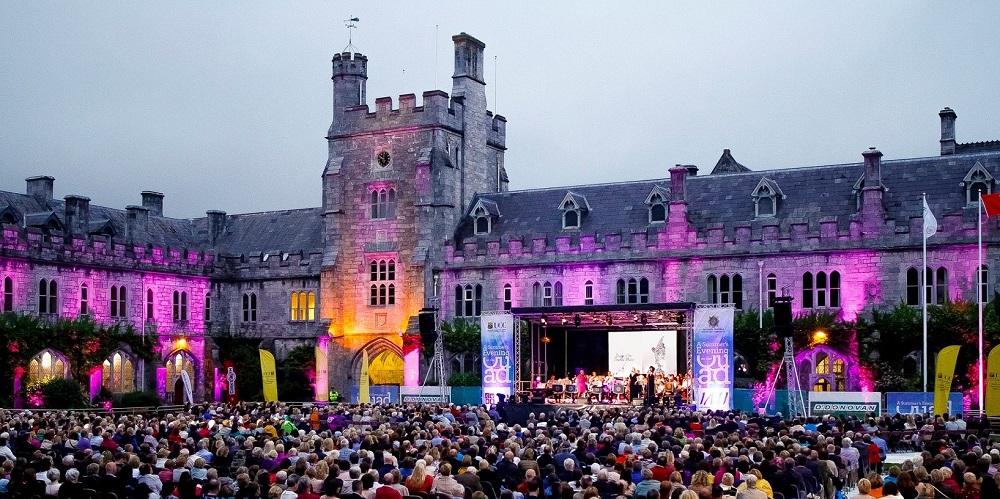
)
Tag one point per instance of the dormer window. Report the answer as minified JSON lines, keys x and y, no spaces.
{"x":978,"y":182}
{"x":657,"y":203}
{"x":482,"y":221}
{"x":766,"y":196}
{"x":573,"y":206}
{"x":483,"y":213}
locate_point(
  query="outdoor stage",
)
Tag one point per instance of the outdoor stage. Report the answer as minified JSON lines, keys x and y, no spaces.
{"x":518,"y":413}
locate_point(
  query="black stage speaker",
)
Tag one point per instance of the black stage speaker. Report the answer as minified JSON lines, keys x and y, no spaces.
{"x":782,"y":316}
{"x":537,"y":396}
{"x":427,"y":326}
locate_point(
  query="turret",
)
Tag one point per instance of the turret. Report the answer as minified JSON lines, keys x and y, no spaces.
{"x":350,"y":74}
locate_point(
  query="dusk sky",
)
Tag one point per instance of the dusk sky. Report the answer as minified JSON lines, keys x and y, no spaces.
{"x":225,"y":105}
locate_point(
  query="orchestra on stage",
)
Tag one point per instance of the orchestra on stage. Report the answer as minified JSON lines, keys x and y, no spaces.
{"x":652,"y":388}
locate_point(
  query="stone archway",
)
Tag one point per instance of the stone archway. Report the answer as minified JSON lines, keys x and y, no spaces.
{"x":385,"y":362}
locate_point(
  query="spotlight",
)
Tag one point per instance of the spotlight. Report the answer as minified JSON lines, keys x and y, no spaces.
{"x":576,"y":320}
{"x":607,"y":320}
{"x":635,"y":318}
{"x":544,"y":321}
{"x":642,"y":319}
{"x":564,"y":320}
{"x":660,"y":317}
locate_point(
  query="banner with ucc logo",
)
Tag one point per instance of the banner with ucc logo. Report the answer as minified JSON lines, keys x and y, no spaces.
{"x":497,"y":334}
{"x":713,"y":358}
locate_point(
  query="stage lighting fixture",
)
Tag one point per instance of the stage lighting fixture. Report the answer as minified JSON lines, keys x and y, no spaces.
{"x":576,"y":320}
{"x":642,"y":319}
{"x":607,"y":320}
{"x":660,"y":317}
{"x":635,"y":318}
{"x":544,"y":321}
{"x":564,"y":320}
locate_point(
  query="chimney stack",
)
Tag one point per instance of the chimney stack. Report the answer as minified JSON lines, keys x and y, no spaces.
{"x":872,"y":209}
{"x":136,"y":224}
{"x":40,"y":188}
{"x":216,"y":225}
{"x":77,"y":214}
{"x":153,"y":201}
{"x":948,"y":118}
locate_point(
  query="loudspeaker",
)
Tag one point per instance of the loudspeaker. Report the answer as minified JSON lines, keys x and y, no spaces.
{"x":538,"y":396}
{"x":782,"y":306}
{"x":426,"y":322}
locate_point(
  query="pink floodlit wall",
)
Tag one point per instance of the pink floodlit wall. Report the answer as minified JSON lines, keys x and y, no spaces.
{"x":411,"y":363}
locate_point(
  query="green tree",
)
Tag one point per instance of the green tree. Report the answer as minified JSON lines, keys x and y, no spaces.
{"x":242,"y":349}
{"x":461,"y":336}
{"x":296,"y":374}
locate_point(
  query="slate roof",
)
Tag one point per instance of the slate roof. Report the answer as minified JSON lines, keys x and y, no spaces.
{"x":811,"y":193}
{"x":287,"y":231}
{"x":727,"y":164}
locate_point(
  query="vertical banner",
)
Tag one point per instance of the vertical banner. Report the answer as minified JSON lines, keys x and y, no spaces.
{"x":232,"y":396}
{"x":364,"y":396}
{"x":268,"y":376}
{"x":993,"y":382}
{"x":713,"y":358}
{"x":944,"y":373}
{"x":497,"y":338}
{"x":322,"y":372}
{"x":188,"y":388}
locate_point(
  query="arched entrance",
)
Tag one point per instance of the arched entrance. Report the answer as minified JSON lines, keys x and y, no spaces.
{"x":177,"y":362}
{"x":385,"y":362}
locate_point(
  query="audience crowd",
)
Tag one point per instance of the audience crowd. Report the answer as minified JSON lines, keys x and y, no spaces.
{"x":422,"y":451}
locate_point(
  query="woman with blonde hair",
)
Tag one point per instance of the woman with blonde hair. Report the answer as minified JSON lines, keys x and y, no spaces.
{"x":701,"y":484}
{"x":876,"y":484}
{"x":419,"y":480}
{"x":864,"y":489}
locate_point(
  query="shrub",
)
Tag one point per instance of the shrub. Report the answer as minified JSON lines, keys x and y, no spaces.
{"x":62,"y":394}
{"x":464,"y":379}
{"x":140,"y":399}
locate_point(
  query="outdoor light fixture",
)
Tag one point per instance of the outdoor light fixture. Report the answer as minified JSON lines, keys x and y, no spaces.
{"x":576,"y":320}
{"x":642,"y":319}
{"x":607,"y":320}
{"x":544,"y":321}
{"x":564,"y":320}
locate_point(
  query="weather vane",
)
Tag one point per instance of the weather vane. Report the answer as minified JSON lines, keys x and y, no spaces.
{"x":350,"y":23}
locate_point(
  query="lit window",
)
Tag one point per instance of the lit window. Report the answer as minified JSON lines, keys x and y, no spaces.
{"x":118,"y":373}
{"x":46,"y":365}
{"x":588,"y":293}
{"x":295,"y":306}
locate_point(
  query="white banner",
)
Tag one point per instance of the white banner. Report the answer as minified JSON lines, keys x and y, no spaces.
{"x":629,"y":350}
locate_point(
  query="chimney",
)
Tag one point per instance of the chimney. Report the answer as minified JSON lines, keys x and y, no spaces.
{"x":136,"y":223}
{"x":77,"y":214}
{"x":40,"y":188}
{"x":678,"y":176}
{"x":216,"y":224}
{"x":948,"y":118}
{"x":872,"y":209}
{"x":154,"y":202}
{"x":693,"y":169}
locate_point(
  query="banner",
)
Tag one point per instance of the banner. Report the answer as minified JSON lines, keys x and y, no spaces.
{"x":993,"y":382}
{"x":845,"y":403}
{"x":188,"y":391}
{"x":377,"y":394}
{"x":713,"y":358}
{"x":944,"y":373}
{"x":424,"y":395}
{"x":229,"y":374}
{"x":268,"y":376}
{"x":497,"y":338}
{"x":920,"y":403}
{"x":364,"y":393}
{"x":322,"y":375}
{"x":629,"y":350}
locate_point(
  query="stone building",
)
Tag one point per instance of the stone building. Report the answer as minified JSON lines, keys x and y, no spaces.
{"x":416,"y":213}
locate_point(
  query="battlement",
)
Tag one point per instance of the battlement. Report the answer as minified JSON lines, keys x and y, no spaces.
{"x":272,"y":264}
{"x":56,"y":247}
{"x":438,"y":109}
{"x":792,"y":235}
{"x":350,"y":64}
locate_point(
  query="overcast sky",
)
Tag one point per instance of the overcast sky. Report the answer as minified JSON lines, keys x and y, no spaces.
{"x":225,"y":105}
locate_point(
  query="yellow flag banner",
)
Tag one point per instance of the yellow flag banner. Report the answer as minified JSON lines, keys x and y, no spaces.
{"x":993,"y":382}
{"x":268,"y":376}
{"x":363,"y":395}
{"x":322,"y":376}
{"x":942,"y":379}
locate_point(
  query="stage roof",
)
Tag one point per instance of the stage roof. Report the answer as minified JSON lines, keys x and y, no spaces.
{"x":618,"y":316}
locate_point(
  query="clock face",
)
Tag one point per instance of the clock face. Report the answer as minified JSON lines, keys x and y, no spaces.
{"x":383,"y":158}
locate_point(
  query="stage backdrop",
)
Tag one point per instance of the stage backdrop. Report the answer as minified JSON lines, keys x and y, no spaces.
{"x":641,"y":349}
{"x":713,"y":358}
{"x":497,"y":333}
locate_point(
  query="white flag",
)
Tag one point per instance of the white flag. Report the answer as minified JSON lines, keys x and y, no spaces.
{"x":930,"y":223}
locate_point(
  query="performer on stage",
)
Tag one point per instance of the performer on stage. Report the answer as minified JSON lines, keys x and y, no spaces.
{"x":650,"y":386}
{"x":581,"y":385}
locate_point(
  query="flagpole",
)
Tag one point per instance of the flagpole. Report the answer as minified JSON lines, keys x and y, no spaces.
{"x":979,"y":293}
{"x":923,"y":288}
